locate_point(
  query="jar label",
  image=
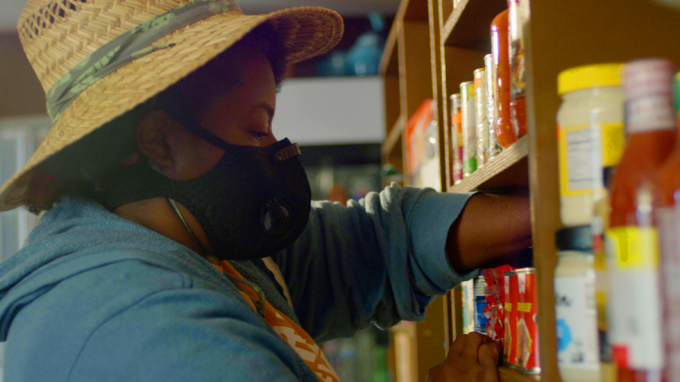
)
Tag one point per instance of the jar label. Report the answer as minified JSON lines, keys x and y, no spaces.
{"x":469,"y":166}
{"x":635,"y":302}
{"x":576,"y":323}
{"x":583,"y":151}
{"x":634,"y":248}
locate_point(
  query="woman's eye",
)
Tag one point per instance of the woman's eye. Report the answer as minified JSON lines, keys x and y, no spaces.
{"x":258,"y":135}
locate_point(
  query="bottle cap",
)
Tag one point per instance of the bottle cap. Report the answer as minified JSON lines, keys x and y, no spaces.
{"x":589,"y":76}
{"x":648,"y":85}
{"x":647,"y":77}
{"x":574,"y":239}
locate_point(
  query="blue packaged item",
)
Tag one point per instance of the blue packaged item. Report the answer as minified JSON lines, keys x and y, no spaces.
{"x":480,"y":318}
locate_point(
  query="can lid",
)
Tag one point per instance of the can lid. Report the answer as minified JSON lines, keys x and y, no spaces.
{"x":589,"y":76}
{"x":574,"y":238}
{"x":646,"y":77}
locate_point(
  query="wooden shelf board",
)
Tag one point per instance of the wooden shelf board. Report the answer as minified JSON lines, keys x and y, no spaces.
{"x":416,"y":10}
{"x":393,"y":136}
{"x":508,"y":169}
{"x":388,"y":61}
{"x":469,"y":24}
{"x":509,"y":375}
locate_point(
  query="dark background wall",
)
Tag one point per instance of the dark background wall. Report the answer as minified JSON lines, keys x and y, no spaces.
{"x":20,"y":91}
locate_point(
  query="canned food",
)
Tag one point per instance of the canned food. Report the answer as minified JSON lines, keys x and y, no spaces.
{"x":480,"y":304}
{"x":510,"y":323}
{"x":480,"y":116}
{"x":456,"y":139}
{"x":491,"y":107}
{"x":468,"y":297}
{"x":469,"y":127}
{"x":527,"y":328}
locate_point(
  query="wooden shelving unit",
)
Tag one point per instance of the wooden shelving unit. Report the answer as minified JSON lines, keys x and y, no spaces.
{"x":509,"y":169}
{"x":432,"y":48}
{"x":391,"y":148}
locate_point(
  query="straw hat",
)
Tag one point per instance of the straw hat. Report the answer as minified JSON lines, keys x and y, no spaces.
{"x":155,"y":44}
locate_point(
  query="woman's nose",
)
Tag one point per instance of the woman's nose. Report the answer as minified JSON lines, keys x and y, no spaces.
{"x":268,"y":140}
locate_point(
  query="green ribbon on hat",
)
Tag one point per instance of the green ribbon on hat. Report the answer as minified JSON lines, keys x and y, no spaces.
{"x":126,"y":48}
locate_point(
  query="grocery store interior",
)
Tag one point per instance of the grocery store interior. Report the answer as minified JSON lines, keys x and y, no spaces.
{"x":576,"y":104}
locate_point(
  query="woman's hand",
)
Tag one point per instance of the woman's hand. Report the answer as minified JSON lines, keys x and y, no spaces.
{"x":473,"y":357}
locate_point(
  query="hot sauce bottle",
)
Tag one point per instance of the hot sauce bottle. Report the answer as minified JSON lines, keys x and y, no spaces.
{"x":505,"y":133}
{"x":667,"y":213}
{"x":632,"y":239}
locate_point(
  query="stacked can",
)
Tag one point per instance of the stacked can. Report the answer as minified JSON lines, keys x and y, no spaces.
{"x":527,"y":329}
{"x":480,"y":117}
{"x":480,"y":303}
{"x":456,"y":139}
{"x":510,"y":321}
{"x":491,"y":107}
{"x":469,"y":127}
{"x":468,"y":297}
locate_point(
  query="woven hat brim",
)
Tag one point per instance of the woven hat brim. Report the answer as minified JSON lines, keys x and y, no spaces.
{"x":306,"y":31}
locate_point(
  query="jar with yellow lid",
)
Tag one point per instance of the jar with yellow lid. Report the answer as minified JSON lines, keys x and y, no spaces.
{"x":590,"y":131}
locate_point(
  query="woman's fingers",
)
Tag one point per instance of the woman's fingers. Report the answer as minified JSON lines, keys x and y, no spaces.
{"x":473,"y":341}
{"x":489,"y":354}
{"x":457,"y":346}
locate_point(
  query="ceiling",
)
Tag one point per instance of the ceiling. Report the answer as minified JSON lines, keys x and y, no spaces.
{"x":10,"y":9}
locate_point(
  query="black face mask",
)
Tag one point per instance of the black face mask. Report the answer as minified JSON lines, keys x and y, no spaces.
{"x":252,"y":204}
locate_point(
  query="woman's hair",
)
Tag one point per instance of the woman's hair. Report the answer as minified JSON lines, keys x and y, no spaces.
{"x":81,"y":169}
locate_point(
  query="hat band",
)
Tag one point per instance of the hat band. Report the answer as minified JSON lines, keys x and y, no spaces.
{"x":126,"y":48}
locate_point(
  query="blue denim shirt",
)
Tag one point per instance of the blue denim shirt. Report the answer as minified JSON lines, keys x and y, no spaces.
{"x":95,"y":297}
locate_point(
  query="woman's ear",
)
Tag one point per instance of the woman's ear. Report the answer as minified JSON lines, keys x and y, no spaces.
{"x":151,"y":135}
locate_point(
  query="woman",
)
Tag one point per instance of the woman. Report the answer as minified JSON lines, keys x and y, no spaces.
{"x":179,"y":241}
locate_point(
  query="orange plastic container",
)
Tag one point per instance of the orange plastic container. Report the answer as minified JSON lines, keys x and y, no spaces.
{"x":505,"y":133}
{"x":518,"y":16}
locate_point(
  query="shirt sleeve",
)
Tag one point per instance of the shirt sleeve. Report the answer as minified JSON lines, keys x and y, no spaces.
{"x":380,"y":260}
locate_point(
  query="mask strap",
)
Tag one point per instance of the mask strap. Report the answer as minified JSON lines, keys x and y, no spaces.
{"x":199,"y":131}
{"x":260,"y":302}
{"x":186,"y":225}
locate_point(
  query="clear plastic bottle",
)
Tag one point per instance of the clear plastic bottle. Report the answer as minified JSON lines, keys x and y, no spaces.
{"x":590,"y":136}
{"x":575,"y":308}
{"x":469,"y":127}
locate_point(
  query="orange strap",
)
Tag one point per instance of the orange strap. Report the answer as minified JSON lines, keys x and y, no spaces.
{"x":296,"y":337}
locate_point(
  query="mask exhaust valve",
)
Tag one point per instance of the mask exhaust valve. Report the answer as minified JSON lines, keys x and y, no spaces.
{"x":275,"y":217}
